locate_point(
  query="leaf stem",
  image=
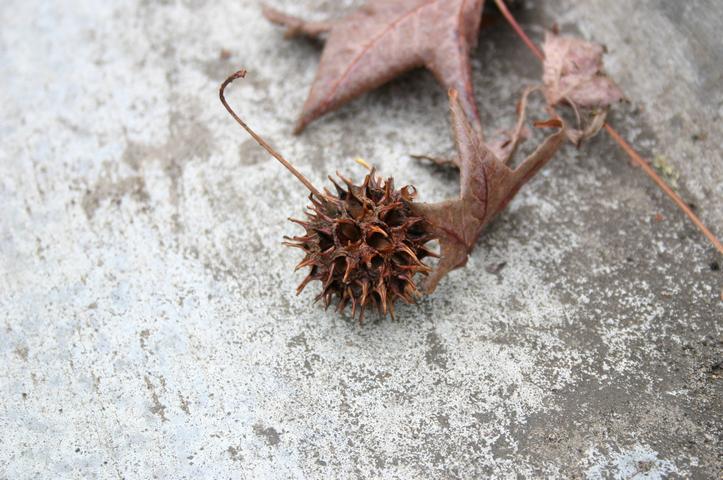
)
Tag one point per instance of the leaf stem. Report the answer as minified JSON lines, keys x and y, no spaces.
{"x":629,"y":150}
{"x":261,"y":141}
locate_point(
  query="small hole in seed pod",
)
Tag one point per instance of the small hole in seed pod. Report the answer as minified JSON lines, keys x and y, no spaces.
{"x":377,"y":262}
{"x":374,"y":194}
{"x":348,"y":233}
{"x":418,"y":229}
{"x":401,"y":258}
{"x":325,"y":241}
{"x":379,"y":242}
{"x":340,"y":265}
{"x":355,"y":208}
{"x":395,"y":218}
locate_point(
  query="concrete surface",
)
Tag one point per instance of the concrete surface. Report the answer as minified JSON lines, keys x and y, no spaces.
{"x":149,"y":325}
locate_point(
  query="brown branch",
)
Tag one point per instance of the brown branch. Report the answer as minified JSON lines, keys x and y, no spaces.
{"x":261,"y":141}
{"x":629,"y":150}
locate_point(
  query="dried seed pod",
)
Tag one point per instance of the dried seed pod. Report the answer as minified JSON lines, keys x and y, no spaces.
{"x":364,"y":245}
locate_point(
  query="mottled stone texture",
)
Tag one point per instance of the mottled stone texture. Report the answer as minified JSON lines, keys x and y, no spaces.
{"x":147,"y":309}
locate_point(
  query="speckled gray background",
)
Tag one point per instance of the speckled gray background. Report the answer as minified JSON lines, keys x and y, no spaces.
{"x":149,"y":325}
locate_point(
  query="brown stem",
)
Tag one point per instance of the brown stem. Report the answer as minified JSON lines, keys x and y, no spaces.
{"x":629,"y":150}
{"x":261,"y":141}
{"x":516,"y":27}
{"x":663,"y":186}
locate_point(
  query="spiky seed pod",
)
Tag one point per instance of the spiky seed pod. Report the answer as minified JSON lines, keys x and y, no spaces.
{"x":364,"y":245}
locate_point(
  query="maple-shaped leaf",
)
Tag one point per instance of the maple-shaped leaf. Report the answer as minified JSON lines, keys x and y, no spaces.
{"x":487,"y":184}
{"x":384,"y":39}
{"x":573,"y":71}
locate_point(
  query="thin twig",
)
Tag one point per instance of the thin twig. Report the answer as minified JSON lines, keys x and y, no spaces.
{"x":629,"y":150}
{"x":261,"y":141}
{"x":516,"y":27}
{"x":663,"y":186}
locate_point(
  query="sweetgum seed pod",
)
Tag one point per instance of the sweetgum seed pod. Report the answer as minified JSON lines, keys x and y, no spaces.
{"x":364,"y":243}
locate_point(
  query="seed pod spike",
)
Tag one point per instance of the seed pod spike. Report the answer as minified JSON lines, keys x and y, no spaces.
{"x":261,"y":141}
{"x":303,"y":284}
{"x":306,"y":262}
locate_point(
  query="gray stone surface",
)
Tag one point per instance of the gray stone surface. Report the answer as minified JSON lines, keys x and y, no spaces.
{"x":149,"y":326}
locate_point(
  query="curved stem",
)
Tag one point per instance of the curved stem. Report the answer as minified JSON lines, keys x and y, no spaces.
{"x":261,"y":141}
{"x":629,"y":150}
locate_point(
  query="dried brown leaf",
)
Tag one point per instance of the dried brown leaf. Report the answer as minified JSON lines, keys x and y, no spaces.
{"x":573,"y":72}
{"x":384,"y":39}
{"x":487,"y":185}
